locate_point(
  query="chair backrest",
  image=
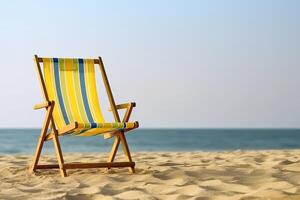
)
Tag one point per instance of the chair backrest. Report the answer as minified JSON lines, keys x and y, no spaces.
{"x":71,"y":84}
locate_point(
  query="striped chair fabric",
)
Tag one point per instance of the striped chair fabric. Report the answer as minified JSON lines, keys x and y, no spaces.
{"x":71,"y":84}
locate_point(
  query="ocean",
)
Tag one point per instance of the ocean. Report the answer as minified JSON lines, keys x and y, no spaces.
{"x":23,"y":141}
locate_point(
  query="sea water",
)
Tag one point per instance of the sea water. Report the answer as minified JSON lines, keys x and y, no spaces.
{"x":24,"y":140}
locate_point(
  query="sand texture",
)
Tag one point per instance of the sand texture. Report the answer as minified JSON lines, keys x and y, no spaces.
{"x":177,"y":175}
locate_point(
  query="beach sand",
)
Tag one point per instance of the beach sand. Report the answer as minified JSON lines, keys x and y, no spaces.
{"x":231,"y":175}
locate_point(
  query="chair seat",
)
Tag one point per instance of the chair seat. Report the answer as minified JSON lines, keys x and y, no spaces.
{"x":90,"y":129}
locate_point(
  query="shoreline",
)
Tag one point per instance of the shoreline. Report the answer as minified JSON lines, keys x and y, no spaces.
{"x":239,"y":174}
{"x":154,"y":151}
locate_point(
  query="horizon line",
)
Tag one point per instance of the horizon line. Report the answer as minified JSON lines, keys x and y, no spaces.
{"x":182,"y":128}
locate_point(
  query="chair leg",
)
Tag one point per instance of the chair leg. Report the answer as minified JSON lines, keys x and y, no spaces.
{"x":59,"y":155}
{"x":37,"y":152}
{"x":126,"y":150}
{"x":41,"y":140}
{"x":114,"y":149}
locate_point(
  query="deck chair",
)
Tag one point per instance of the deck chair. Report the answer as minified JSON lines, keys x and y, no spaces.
{"x":72,"y":107}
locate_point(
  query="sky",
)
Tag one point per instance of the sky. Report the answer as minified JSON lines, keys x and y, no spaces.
{"x":187,"y":64}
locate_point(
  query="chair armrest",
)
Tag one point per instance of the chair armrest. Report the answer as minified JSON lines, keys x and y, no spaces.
{"x":42,"y":105}
{"x":124,"y":106}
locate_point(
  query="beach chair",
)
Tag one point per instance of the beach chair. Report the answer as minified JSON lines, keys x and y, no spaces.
{"x":72,"y":107}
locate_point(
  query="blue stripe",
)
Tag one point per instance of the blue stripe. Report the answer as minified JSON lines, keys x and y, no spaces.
{"x":58,"y":91}
{"x":84,"y":95}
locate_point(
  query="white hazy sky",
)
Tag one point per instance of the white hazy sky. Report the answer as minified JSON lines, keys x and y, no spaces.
{"x":186,"y":63}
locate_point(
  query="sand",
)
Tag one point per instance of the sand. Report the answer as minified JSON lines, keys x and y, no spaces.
{"x":167,"y":175}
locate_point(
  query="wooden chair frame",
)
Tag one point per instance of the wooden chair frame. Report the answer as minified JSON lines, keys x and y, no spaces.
{"x":54,"y":134}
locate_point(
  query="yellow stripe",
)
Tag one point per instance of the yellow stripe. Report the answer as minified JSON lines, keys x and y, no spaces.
{"x":92,"y":91}
{"x":64,"y":73}
{"x":51,"y":89}
{"x":70,"y":88}
{"x":80,"y":105}
{"x":96,"y":131}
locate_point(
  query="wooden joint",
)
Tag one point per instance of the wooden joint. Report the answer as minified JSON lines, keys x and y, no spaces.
{"x":67,"y":129}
